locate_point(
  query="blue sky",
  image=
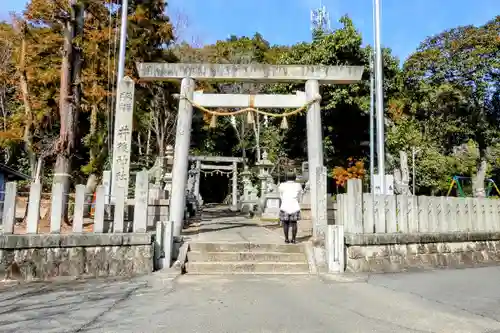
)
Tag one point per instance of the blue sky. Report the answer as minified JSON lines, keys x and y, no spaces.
{"x":404,"y":22}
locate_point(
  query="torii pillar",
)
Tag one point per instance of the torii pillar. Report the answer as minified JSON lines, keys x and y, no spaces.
{"x":313,"y":76}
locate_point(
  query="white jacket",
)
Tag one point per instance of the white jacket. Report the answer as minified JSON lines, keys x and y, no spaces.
{"x":290,"y":193}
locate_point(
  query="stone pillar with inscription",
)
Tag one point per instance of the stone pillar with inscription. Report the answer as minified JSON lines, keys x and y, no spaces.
{"x":180,"y":168}
{"x":314,"y":143}
{"x":123,"y":136}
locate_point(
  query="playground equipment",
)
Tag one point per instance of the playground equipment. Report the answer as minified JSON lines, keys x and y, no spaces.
{"x":456,"y":180}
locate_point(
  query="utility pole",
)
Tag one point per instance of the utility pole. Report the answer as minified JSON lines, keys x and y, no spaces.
{"x":123,"y":42}
{"x":372,"y":135}
{"x":372,"y":111}
{"x":379,"y":99}
{"x":372,"y":126}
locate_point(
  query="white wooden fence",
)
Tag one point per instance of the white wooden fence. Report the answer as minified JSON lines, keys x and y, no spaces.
{"x":409,"y":214}
{"x":146,"y":211}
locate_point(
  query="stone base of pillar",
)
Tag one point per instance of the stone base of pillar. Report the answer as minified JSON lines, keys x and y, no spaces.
{"x":271,"y":206}
{"x":247,"y":206}
{"x":335,"y":248}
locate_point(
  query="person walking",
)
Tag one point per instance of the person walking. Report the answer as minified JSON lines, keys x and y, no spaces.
{"x":290,"y":193}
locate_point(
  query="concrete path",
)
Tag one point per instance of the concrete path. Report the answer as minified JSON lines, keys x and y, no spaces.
{"x":230,"y":228}
{"x":438,"y":301}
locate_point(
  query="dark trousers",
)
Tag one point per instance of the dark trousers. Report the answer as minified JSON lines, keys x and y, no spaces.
{"x":286,"y":228}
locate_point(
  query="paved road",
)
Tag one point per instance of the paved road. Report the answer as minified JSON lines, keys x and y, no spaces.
{"x":441,"y":301}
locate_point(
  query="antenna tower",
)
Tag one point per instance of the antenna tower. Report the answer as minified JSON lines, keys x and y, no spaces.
{"x":320,"y":18}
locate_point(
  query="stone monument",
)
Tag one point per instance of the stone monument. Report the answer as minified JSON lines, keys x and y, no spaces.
{"x":122,"y":142}
{"x":272,"y":201}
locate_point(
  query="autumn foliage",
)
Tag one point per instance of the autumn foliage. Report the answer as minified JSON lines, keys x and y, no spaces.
{"x":355,"y":170}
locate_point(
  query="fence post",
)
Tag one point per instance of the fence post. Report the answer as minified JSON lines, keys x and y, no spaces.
{"x":106,"y":183}
{"x":354,"y":204}
{"x":433,"y":216}
{"x":335,"y":248}
{"x":141,"y":200}
{"x":453,"y":216}
{"x":470,"y":214}
{"x":168,"y":240}
{"x":368,"y":222}
{"x":489,"y":217}
{"x":402,"y":207}
{"x":482,"y":206}
{"x":496,"y":214}
{"x":78,"y":208}
{"x":340,"y":209}
{"x":380,"y":225}
{"x":413,"y":214}
{"x":423,"y":214}
{"x":391,"y":216}
{"x":100,"y":201}
{"x":56,"y":207}
{"x":118,"y":222}
{"x":477,"y":215}
{"x":158,"y":245}
{"x":444,"y":225}
{"x":463,"y":216}
{"x":34,"y":208}
{"x":9,"y":208}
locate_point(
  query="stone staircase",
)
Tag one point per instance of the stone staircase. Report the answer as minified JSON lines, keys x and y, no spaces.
{"x":246,"y":258}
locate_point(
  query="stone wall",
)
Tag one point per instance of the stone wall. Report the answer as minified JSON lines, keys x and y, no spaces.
{"x":305,"y":224}
{"x":419,"y":251}
{"x":48,"y":256}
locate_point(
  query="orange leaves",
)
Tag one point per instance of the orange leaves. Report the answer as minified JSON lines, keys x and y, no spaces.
{"x":47,"y":12}
{"x":140,"y":14}
{"x":12,"y":135}
{"x":355,"y":170}
{"x":396,"y":109}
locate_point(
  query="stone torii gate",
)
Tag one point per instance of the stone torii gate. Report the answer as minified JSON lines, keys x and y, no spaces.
{"x":313,"y":76}
{"x":233,"y":168}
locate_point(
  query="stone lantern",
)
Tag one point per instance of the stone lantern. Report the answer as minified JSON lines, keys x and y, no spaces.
{"x":264,"y":166}
{"x":169,"y":163}
{"x":250,"y":196}
{"x":269,"y":196}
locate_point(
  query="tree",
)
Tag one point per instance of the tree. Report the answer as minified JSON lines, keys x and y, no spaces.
{"x":7,"y":85}
{"x":452,"y":79}
{"x":344,"y":107}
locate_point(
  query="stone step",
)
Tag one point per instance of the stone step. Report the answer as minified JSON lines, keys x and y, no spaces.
{"x":245,"y":247}
{"x":247,"y":268}
{"x":246,"y":256}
